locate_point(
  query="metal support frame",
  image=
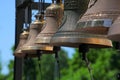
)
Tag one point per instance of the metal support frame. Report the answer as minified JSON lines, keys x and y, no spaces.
{"x":18,"y":30}
{"x":20,"y":19}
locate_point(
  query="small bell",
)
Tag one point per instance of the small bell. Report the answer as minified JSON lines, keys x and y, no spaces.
{"x":114,"y":31}
{"x":23,"y":37}
{"x":99,"y":16}
{"x":53,"y":15}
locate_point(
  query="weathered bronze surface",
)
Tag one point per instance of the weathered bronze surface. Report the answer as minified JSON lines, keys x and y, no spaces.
{"x":70,"y":35}
{"x":99,"y":16}
{"x":31,"y":48}
{"x":114,"y":31}
{"x":75,"y":38}
{"x":53,"y":15}
{"x":23,"y":37}
{"x":35,"y":28}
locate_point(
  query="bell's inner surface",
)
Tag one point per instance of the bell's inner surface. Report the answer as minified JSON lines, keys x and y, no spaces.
{"x":22,"y":40}
{"x":114,"y":31}
{"x":99,"y":17}
{"x":53,"y":15}
{"x":72,"y":36}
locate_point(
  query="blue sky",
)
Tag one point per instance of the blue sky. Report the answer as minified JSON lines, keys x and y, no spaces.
{"x":7,"y":32}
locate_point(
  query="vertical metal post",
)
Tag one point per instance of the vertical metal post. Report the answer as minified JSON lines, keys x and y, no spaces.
{"x":20,"y":19}
{"x":18,"y":29}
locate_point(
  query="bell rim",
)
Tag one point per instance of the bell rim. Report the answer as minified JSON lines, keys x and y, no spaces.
{"x":75,"y":42}
{"x":34,"y":49}
{"x":19,"y":53}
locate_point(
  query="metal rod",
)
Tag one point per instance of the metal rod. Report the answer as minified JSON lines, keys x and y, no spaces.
{"x":57,"y":67}
{"x":84,"y":49}
{"x":39,"y":63}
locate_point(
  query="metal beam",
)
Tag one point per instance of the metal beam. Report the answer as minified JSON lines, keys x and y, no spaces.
{"x":23,"y":3}
{"x":34,"y":5}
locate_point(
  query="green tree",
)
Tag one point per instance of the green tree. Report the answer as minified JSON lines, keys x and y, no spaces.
{"x":104,"y":64}
{"x":32,"y":71}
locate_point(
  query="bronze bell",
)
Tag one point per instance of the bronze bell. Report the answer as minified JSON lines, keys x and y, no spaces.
{"x":114,"y":31}
{"x":53,"y":15}
{"x":99,"y":16}
{"x":73,"y":37}
{"x":22,"y":40}
{"x":35,"y":28}
{"x":31,"y":48}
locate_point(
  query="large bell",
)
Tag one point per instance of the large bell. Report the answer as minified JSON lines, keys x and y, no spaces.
{"x":114,"y":31}
{"x":53,"y":15}
{"x":99,"y":16}
{"x":30,"y":48}
{"x":72,"y":36}
{"x":22,"y":40}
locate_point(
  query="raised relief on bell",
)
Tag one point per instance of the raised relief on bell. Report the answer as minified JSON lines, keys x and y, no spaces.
{"x":92,"y":3}
{"x":71,"y":4}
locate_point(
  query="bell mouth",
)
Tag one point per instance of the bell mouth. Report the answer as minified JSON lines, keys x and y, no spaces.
{"x":31,"y":51}
{"x":74,"y":39}
{"x":95,"y":26}
{"x":19,"y":53}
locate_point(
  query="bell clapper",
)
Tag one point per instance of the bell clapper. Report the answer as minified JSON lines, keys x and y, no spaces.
{"x":57,"y":67}
{"x":83,"y":48}
{"x":39,"y":53}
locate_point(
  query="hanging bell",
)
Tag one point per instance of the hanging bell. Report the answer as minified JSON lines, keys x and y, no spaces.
{"x":99,"y":16}
{"x":30,"y":48}
{"x":73,"y":37}
{"x":22,"y":40}
{"x":53,"y":15}
{"x":35,"y":28}
{"x":114,"y":31}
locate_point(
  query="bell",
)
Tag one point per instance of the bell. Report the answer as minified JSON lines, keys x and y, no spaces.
{"x":72,"y":36}
{"x":23,"y":37}
{"x":30,"y":48}
{"x":114,"y":31}
{"x":99,"y":16}
{"x":53,"y":15}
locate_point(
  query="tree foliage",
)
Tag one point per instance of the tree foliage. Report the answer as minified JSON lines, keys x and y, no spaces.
{"x":104,"y":63}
